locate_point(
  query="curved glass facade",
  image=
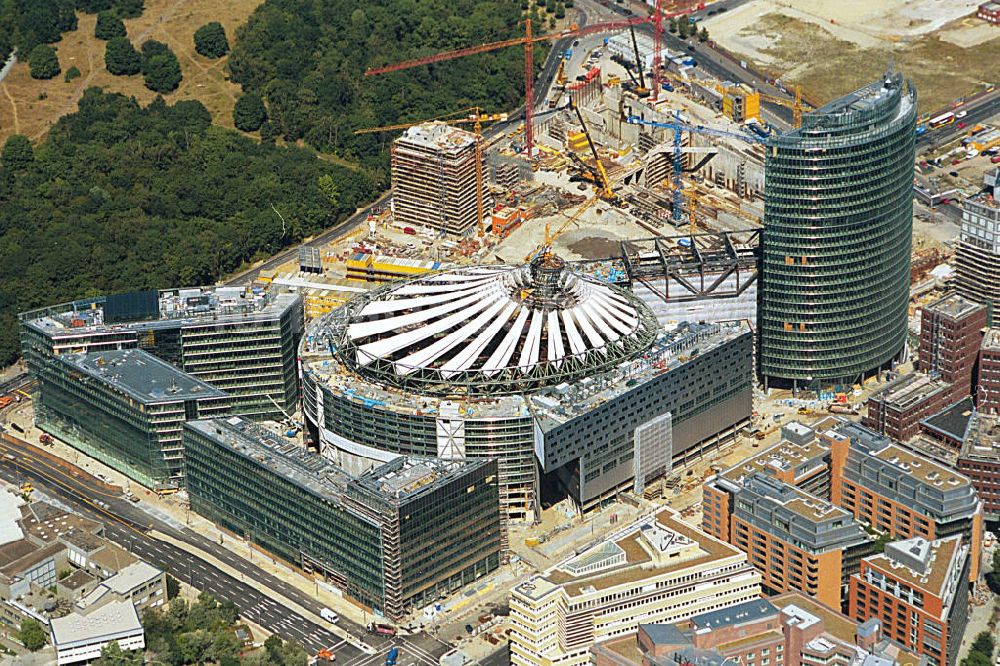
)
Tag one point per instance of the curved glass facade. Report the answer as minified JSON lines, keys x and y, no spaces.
{"x":837,"y":234}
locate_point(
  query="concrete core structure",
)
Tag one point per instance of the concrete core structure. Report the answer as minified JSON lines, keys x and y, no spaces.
{"x":434,"y":178}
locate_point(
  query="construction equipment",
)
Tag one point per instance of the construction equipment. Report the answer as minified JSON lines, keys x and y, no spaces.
{"x":27,"y":489}
{"x":677,"y":126}
{"x":607,"y":193}
{"x":476,"y":117}
{"x":640,"y":86}
{"x":527,"y":42}
{"x":45,"y":438}
{"x":796,"y":105}
{"x":546,"y":247}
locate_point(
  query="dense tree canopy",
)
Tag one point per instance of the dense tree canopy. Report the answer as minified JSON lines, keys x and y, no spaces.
{"x":249,"y":113}
{"x":43,"y":62}
{"x":120,"y":197}
{"x":210,"y":40}
{"x":109,"y":25}
{"x":160,"y":69}
{"x":121,"y":58}
{"x":307,"y":59}
{"x":24,"y":24}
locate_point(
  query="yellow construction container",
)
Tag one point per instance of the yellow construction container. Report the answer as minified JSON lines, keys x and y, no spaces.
{"x":577,"y":141}
{"x":741,"y":104}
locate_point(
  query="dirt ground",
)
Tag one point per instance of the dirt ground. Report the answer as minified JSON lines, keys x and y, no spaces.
{"x":833,"y":48}
{"x":31,"y":107}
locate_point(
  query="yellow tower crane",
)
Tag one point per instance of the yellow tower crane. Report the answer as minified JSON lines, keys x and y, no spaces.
{"x":476,"y":118}
{"x":796,"y":105}
{"x":550,"y":238}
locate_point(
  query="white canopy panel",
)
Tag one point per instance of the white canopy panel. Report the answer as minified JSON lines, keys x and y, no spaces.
{"x":492,"y":319}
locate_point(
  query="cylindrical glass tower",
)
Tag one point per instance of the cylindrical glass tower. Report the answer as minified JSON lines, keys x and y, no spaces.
{"x":837,"y":232}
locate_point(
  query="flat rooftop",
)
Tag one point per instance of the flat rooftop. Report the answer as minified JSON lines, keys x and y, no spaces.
{"x":924,"y":565}
{"x":785,"y":456}
{"x":748,"y":611}
{"x":954,"y":306}
{"x":920,"y":467}
{"x":952,"y":421}
{"x":991,"y":339}
{"x":401,"y":478}
{"x":909,"y":391}
{"x":142,"y":376}
{"x":437,"y":136}
{"x":114,"y":619}
{"x":154,"y":310}
{"x":652,"y":546}
{"x":982,"y":440}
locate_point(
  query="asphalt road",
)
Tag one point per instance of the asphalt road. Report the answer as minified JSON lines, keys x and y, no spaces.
{"x":977,"y":111}
{"x":129,"y":525}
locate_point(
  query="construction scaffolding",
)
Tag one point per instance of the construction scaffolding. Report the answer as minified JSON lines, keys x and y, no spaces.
{"x":434,"y":178}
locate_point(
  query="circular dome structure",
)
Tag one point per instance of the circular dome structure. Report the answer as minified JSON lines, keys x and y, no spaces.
{"x":491,"y":329}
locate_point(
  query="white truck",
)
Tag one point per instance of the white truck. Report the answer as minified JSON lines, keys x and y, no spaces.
{"x":328,"y":615}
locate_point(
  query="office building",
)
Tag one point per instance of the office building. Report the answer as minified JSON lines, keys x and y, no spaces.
{"x":240,"y":341}
{"x":988,"y":373}
{"x":658,"y":569}
{"x":977,"y":258}
{"x":126,"y":409}
{"x":434,"y":176}
{"x":897,"y":409}
{"x":81,"y":638}
{"x":799,"y":508}
{"x":948,"y":427}
{"x":837,"y":232}
{"x":395,"y":538}
{"x":791,"y":629}
{"x":979,"y":460}
{"x":569,"y":382}
{"x":951,"y":332}
{"x":918,"y":590}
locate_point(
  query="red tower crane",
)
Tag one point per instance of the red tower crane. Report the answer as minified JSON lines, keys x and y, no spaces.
{"x":527,"y":41}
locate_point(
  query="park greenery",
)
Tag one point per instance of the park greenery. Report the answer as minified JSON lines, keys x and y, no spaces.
{"x":24,"y":24}
{"x":210,"y":40}
{"x":161,"y":71}
{"x":109,"y":25}
{"x":121,"y":58}
{"x":981,"y":651}
{"x":306,"y":61}
{"x":43,"y":62}
{"x":32,"y":635}
{"x":203,"y":632}
{"x":120,"y":197}
{"x":993,"y":577}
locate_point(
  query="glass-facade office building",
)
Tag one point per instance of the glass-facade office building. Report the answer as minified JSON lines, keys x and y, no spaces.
{"x":837,"y":233}
{"x":243,"y":342}
{"x":126,"y":408}
{"x":395,"y":538}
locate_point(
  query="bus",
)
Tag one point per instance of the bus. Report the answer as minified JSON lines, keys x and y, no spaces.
{"x":943,"y":119}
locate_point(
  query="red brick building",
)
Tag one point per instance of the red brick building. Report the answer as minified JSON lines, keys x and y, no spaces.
{"x":989,"y":12}
{"x":980,"y":461}
{"x":919,"y":591}
{"x":951,"y":331}
{"x":897,"y":410}
{"x":988,"y":389}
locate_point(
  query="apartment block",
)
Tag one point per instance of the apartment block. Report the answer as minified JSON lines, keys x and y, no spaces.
{"x":796,"y":540}
{"x":804,"y":510}
{"x":988,"y":376}
{"x":394,"y":538}
{"x":434,"y":174}
{"x":951,"y":332}
{"x":241,"y":341}
{"x":657,"y":569}
{"x":897,"y":409}
{"x":980,"y":462}
{"x":901,"y":493}
{"x":126,"y":408}
{"x":791,"y":629}
{"x":919,"y":591}
{"x":977,"y":259}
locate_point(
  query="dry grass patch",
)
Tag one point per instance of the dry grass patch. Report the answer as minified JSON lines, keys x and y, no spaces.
{"x":31,"y":107}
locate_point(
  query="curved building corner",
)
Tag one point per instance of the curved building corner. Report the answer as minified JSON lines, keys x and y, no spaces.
{"x":837,"y":239}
